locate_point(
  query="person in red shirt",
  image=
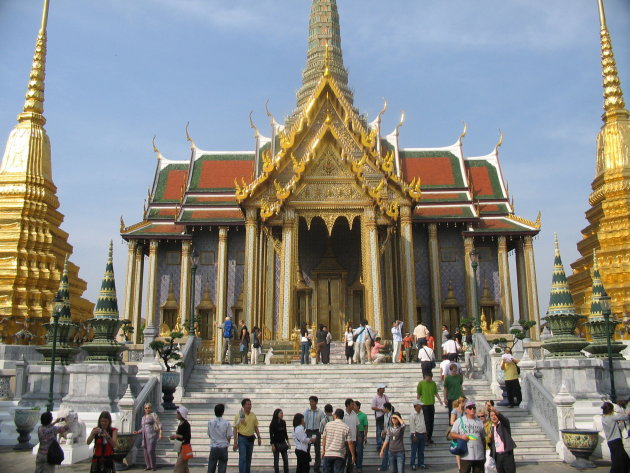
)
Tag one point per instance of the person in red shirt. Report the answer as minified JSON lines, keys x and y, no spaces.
{"x":378,"y":357}
{"x":104,"y":437}
{"x":431,"y":342}
{"x":407,"y":345}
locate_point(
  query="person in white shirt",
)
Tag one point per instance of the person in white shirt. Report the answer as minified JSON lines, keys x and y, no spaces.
{"x":445,"y":367}
{"x":420,"y":334}
{"x":301,"y":442}
{"x":450,"y":348}
{"x":396,"y":339}
{"x":352,"y":421}
{"x":220,"y":433}
{"x":426,"y":356}
{"x":418,"y":431}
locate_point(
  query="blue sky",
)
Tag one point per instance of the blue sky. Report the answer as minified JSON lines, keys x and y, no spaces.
{"x":121,"y":71}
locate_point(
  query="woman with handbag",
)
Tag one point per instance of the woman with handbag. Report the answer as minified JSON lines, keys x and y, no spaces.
{"x":301,"y":441}
{"x":349,"y":343}
{"x":279,"y":439}
{"x":182,"y":435}
{"x":151,"y":431}
{"x":47,"y":434}
{"x":104,"y":437}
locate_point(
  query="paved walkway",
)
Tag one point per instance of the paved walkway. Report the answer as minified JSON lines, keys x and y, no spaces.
{"x":21,"y":462}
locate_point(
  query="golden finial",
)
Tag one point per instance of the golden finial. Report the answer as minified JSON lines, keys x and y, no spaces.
{"x":156,"y":150}
{"x":251,"y":124}
{"x":188,"y":138}
{"x":34,"y":99}
{"x":538,"y":222}
{"x":500,"y":140}
{"x":613,"y":95}
{"x":382,"y":112}
{"x":401,"y":123}
{"x":122,"y":224}
{"x":461,"y":137}
{"x":326,"y":57}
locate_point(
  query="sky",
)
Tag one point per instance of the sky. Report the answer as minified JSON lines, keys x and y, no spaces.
{"x":121,"y":71}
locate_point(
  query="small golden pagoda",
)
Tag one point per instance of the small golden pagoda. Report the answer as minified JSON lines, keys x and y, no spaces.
{"x":32,"y":245}
{"x":608,"y":231}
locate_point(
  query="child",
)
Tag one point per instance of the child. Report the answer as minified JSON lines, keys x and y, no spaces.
{"x":408,"y":345}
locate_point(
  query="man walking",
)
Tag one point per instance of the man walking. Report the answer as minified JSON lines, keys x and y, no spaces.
{"x":228,"y":335}
{"x":418,"y":430}
{"x":362,"y":435}
{"x":326,"y":352}
{"x":427,"y":392}
{"x":245,"y":432}
{"x":220,"y":433}
{"x":420,"y":334}
{"x":351,"y":420}
{"x":359,"y":344}
{"x":427,"y":359}
{"x":320,"y":344}
{"x":336,"y":442}
{"x":312,"y":419}
{"x":501,"y":444}
{"x":470,"y":429}
{"x":512,"y":385}
{"x":396,"y":339}
{"x":378,"y":402}
{"x":450,"y":348}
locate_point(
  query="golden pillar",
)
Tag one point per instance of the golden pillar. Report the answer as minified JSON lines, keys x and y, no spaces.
{"x":250,"y":266}
{"x":136,"y":309}
{"x":221,"y":290}
{"x":407,"y":267}
{"x":532,"y":287}
{"x":270,"y":270}
{"x":152,"y":280}
{"x":184,"y":284}
{"x":521,"y":281}
{"x":287,"y":273}
{"x":506,"y":286}
{"x":372,"y":271}
{"x":130,"y":279}
{"x":434,"y":276}
{"x":471,"y":283}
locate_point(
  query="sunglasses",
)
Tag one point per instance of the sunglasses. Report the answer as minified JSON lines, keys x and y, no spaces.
{"x":471,"y":407}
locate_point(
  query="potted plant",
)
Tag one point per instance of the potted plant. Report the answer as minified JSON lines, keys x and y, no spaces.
{"x":25,"y":420}
{"x":127,"y":330}
{"x":518,"y":333}
{"x":170,"y":355}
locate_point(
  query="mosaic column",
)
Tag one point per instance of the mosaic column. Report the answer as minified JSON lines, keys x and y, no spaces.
{"x":184,"y":283}
{"x":250,"y":266}
{"x":150,"y":331}
{"x":130,"y":279}
{"x":407,"y":267}
{"x":270,"y":293}
{"x":287,"y":273}
{"x":221,"y":290}
{"x":372,"y":266}
{"x":521,"y":281}
{"x":506,"y":286}
{"x":434,"y":275}
{"x":471,"y":284}
{"x":136,"y":309}
{"x":532,"y":287}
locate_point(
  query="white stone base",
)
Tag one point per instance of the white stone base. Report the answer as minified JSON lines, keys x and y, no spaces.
{"x":72,"y":453}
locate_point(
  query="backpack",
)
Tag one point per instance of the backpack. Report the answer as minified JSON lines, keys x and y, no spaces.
{"x":228,"y":329}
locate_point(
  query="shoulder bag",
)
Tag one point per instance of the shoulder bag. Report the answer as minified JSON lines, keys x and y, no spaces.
{"x":186,"y":451}
{"x":55,"y":454}
{"x":459,"y":446}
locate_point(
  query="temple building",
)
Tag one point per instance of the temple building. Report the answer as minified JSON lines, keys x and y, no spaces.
{"x":33,"y":247}
{"x":608,"y":231}
{"x":328,"y":220}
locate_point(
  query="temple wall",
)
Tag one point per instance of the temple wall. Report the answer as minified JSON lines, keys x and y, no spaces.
{"x":451,"y":258}
{"x":489,"y":270}
{"x":206,"y":244}
{"x":421,"y":270}
{"x":169,"y":270}
{"x":236,"y":265}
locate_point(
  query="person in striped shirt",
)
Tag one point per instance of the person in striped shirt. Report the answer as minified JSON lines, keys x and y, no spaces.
{"x":336,"y":440}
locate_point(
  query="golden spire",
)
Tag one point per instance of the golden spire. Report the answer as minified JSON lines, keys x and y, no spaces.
{"x":613,"y":95}
{"x":34,"y":100}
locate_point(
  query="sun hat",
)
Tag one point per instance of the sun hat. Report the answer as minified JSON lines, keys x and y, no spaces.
{"x":183,"y":412}
{"x":381,"y":386}
{"x":418,"y":402}
{"x":470,"y":404}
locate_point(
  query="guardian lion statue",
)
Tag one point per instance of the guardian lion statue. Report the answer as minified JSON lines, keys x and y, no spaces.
{"x":76,"y":429}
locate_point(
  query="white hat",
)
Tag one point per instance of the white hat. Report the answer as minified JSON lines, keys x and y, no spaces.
{"x":183,"y":412}
{"x":381,"y":386}
{"x":418,"y":402}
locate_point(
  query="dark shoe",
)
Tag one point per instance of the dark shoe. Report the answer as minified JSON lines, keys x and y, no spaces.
{"x":424,"y":467}
{"x":431,"y":441}
{"x":413,"y":467}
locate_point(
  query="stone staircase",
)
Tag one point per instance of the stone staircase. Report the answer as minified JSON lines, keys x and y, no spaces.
{"x":289,"y":386}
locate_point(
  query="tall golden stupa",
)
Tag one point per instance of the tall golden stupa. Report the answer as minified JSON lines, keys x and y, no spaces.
{"x":32,"y":245}
{"x":608,"y":232}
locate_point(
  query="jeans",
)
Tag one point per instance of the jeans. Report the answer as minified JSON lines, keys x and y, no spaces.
{"x":218,"y":455}
{"x":380,"y":424}
{"x":317,"y":446}
{"x":429,"y":417}
{"x":276,"y":460}
{"x":333,"y":464}
{"x":418,"y":442}
{"x":244,"y":347}
{"x":304,"y":353}
{"x":227,"y":350}
{"x":385,"y":461}
{"x":359,"y":447}
{"x":397,"y":462}
{"x":245,"y":450}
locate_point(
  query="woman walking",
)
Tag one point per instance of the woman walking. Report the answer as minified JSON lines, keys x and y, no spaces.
{"x":279,"y":439}
{"x":305,"y":344}
{"x":349,"y":343}
{"x":256,"y":345}
{"x":182,"y":434}
{"x":612,"y":431}
{"x":46,"y":433}
{"x":104,"y":437}
{"x":301,"y":444}
{"x":394,"y":442}
{"x":151,"y":430}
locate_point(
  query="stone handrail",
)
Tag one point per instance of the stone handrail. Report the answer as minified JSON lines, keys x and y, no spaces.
{"x":482,"y":351}
{"x":152,"y":393}
{"x":189,"y":358}
{"x":541,"y":405}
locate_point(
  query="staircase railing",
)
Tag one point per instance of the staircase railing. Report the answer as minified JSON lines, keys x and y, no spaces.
{"x":151,"y":393}
{"x":189,"y":357}
{"x":541,"y":405}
